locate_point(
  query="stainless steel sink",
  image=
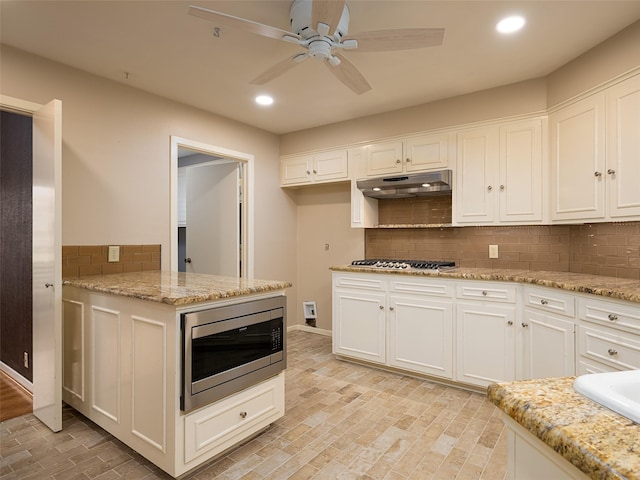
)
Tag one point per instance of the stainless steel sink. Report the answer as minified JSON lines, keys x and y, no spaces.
{"x":618,"y":391}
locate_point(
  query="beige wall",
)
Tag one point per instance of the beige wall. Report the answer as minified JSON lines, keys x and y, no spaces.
{"x":115,"y":186}
{"x":324,"y":217}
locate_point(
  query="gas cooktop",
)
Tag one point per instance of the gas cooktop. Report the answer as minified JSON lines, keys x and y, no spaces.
{"x":403,"y":264}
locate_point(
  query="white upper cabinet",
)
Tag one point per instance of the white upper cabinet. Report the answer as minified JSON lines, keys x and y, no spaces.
{"x":316,"y":168}
{"x":416,"y":154}
{"x":623,"y":149}
{"x":595,"y":156}
{"x":577,"y":160}
{"x":499,"y":174}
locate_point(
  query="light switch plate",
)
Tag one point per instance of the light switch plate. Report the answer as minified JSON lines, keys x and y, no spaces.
{"x":114,"y":253}
{"x":493,"y":251}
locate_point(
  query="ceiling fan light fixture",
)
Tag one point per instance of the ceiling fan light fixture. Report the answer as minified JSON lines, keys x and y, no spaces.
{"x":510,"y":24}
{"x":264,"y":100}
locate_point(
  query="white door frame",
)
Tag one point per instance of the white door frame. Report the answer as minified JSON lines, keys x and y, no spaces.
{"x":247,"y":197}
{"x":46,"y":363}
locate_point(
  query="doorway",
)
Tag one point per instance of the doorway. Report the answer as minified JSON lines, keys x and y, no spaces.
{"x":211,"y":209}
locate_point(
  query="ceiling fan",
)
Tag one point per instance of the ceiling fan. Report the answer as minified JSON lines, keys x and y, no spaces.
{"x":321,"y":28}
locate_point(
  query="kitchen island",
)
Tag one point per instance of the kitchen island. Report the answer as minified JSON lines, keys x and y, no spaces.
{"x":554,"y":432}
{"x":123,"y":364}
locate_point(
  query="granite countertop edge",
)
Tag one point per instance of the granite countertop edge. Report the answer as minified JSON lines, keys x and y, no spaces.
{"x":174,"y":288}
{"x":597,"y":441}
{"x":612,"y":287}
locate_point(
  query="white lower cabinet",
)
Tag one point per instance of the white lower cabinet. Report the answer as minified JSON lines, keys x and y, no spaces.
{"x":485,"y":343}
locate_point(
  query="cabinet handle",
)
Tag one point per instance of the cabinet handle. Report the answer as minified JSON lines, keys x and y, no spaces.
{"x":243,"y":414}
{"x":510,"y":322}
{"x":544,"y":302}
{"x":502,"y":187}
{"x":398,"y":161}
{"x":484,"y":293}
{"x":611,"y":171}
{"x":47,"y":285}
{"x":612,"y":352}
{"x":187,"y":260}
{"x":381,"y":307}
{"x":525,"y":325}
{"x":612,"y":317}
{"x":489,"y":188}
{"x":597,"y":174}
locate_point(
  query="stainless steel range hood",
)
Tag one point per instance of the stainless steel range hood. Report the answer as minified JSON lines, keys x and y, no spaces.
{"x":409,"y":185}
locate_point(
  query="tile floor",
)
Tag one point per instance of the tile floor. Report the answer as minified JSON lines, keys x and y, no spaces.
{"x":343,"y":421}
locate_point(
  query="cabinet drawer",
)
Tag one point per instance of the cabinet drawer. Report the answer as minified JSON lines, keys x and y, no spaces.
{"x":550,"y":301}
{"x":224,"y":423}
{"x":494,"y":292}
{"x":611,"y":314}
{"x":609,"y":347}
{"x":368,"y":282}
{"x":423,"y":286}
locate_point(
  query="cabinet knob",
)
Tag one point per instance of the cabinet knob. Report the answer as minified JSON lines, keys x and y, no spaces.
{"x":510,"y":322}
{"x":484,"y":293}
{"x":315,"y":171}
{"x":543,"y":302}
{"x":243,"y":414}
{"x":502,"y":187}
{"x":47,"y":285}
{"x":308,"y":172}
{"x":612,"y":352}
{"x":398,"y":161}
{"x":391,"y":308}
{"x":611,"y":171}
{"x":612,"y":317}
{"x":489,"y":188}
{"x":408,"y":160}
{"x":525,"y":325}
{"x":187,"y":260}
{"x":381,"y":307}
{"x":597,"y":174}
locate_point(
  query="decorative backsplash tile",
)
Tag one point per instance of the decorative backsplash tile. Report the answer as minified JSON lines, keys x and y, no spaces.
{"x":413,"y":211}
{"x":82,"y":260}
{"x":611,"y":249}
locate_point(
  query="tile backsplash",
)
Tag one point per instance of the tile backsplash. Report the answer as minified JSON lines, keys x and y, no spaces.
{"x":611,"y":249}
{"x":82,"y":260}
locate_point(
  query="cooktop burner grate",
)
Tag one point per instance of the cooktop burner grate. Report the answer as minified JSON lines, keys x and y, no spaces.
{"x":402,"y":264}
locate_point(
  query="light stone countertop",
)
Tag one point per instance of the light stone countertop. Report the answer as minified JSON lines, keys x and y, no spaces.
{"x":174,"y":288}
{"x":598,"y":441}
{"x":613,"y":287}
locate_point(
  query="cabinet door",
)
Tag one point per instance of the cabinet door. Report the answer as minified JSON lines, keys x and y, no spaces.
{"x":295,"y":170}
{"x":477,"y":163}
{"x":520,"y":189}
{"x":359,"y":324}
{"x":547,"y":346}
{"x":330,"y":166}
{"x":426,"y":153}
{"x":577,"y":160}
{"x":485,"y":343}
{"x":384,"y":159}
{"x":623,"y":148}
{"x":421,"y":335}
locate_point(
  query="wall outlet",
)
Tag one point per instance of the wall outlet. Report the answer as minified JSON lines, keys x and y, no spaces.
{"x":493,"y":251}
{"x":25,"y":358}
{"x":114,"y":253}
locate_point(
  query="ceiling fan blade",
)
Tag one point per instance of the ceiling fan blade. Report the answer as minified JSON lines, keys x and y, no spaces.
{"x":348,"y":74}
{"x":278,"y":69}
{"x":328,"y":12}
{"x":224,"y":20}
{"x":398,"y":39}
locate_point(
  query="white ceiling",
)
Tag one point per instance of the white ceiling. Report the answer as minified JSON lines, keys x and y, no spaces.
{"x":175,"y":55}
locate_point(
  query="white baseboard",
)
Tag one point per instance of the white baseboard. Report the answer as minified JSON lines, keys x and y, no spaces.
{"x":16,"y":376}
{"x":307,"y":328}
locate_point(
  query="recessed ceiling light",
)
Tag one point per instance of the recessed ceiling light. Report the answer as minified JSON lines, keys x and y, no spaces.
{"x":510,"y":24}
{"x":264,"y":100}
